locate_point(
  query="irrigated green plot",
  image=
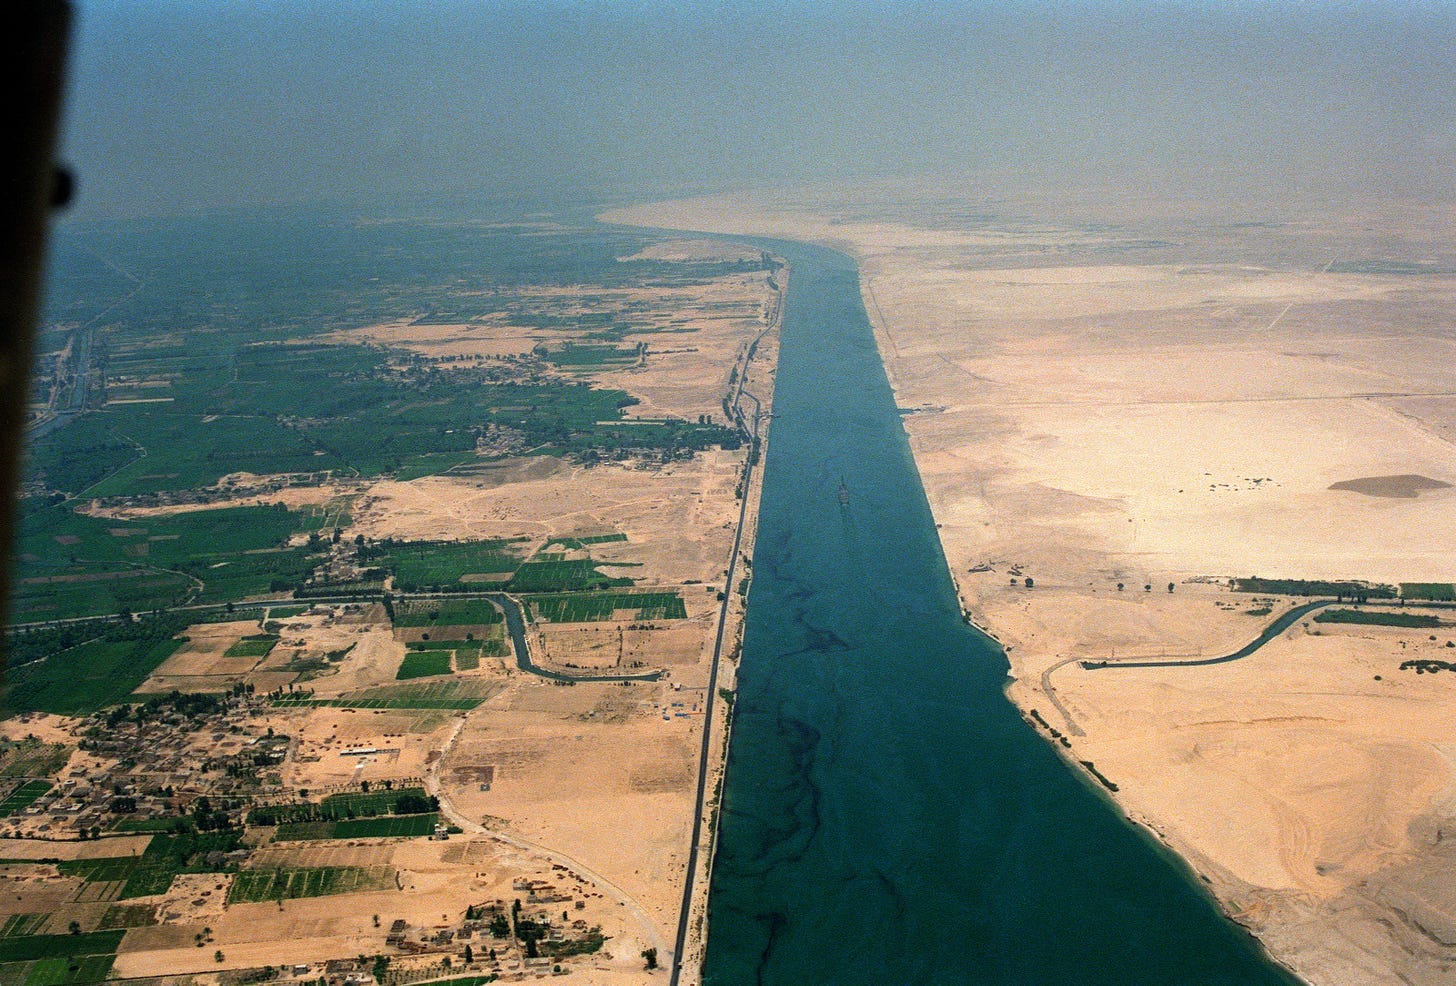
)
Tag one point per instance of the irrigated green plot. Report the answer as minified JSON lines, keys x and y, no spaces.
{"x":85,"y":678}
{"x":71,"y":971}
{"x":23,"y":797}
{"x":74,"y":565}
{"x":30,"y":947}
{"x":421,"y":565}
{"x":1313,"y":587}
{"x":446,"y":612}
{"x":598,"y":356}
{"x":128,"y":916}
{"x":452,"y":694}
{"x":596,"y":606}
{"x":1434,"y":591}
{"x":1377,"y":618}
{"x":152,"y":871}
{"x":347,"y":805}
{"x":254,"y":886}
{"x":464,"y":651}
{"x":32,"y":758}
{"x":562,"y":576}
{"x":381,"y":827}
{"x":423,"y":664}
{"x":19,"y":925}
{"x":256,"y":646}
{"x":584,"y":540}
{"x":285,"y":612}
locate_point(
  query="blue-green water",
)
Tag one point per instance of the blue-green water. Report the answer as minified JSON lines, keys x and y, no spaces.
{"x":888,"y":817}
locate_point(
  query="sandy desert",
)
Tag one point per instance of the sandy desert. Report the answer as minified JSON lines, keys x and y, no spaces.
{"x":1119,"y":402}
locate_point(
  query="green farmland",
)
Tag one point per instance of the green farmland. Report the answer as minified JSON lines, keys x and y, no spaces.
{"x":1377,"y":618}
{"x":53,"y":960}
{"x":562,"y":576}
{"x":152,"y":871}
{"x":384,"y":827}
{"x":73,"y":565}
{"x":423,"y":664}
{"x":341,"y":807}
{"x":597,"y":606}
{"x":446,"y":612}
{"x":1313,"y":587}
{"x":23,"y":797}
{"x":423,"y":565}
{"x":452,"y":693}
{"x":255,"y":886}
{"x":84,"y":678}
{"x":1443,"y":592}
{"x":256,"y":646}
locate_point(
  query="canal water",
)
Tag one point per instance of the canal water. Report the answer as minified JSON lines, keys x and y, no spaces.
{"x":888,"y":816}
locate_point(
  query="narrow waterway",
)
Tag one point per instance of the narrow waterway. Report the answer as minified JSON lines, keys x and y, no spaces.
{"x":888,"y":817}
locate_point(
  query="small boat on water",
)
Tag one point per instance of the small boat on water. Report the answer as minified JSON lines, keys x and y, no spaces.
{"x":843,"y":492}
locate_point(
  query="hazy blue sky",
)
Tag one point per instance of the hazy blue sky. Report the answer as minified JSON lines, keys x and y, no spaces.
{"x":180,"y":105}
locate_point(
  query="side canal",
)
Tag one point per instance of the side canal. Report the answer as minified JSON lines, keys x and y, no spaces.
{"x":888,"y":816}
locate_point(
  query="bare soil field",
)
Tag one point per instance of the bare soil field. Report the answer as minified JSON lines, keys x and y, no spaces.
{"x":1116,"y":395}
{"x":624,"y":644}
{"x":596,"y":772}
{"x":38,"y":849}
{"x":678,"y":518}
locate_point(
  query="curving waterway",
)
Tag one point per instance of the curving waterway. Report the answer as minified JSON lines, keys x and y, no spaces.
{"x":888,"y":816}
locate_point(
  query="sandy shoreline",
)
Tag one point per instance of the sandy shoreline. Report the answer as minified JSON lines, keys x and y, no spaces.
{"x":1132,"y":402}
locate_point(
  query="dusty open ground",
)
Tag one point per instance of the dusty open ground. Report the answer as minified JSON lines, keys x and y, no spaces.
{"x":1110,"y":389}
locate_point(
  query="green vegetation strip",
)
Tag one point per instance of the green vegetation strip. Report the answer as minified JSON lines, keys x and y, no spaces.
{"x":587,"y":539}
{"x":152,"y":871}
{"x":341,"y":807}
{"x":30,"y":947}
{"x":253,"y":886}
{"x":597,"y":606}
{"x":562,"y":576}
{"x":1377,"y":618}
{"x":1435,"y":591}
{"x":86,"y":678}
{"x":32,"y":758}
{"x":256,"y":646}
{"x":1307,"y":587}
{"x":18,"y":925}
{"x":58,"y":971}
{"x":386,"y":827}
{"x":450,"y":693}
{"x":446,"y":612}
{"x":23,"y":797}
{"x":423,"y":664}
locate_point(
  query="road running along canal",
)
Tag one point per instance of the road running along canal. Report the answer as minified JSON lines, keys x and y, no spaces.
{"x":888,"y":816}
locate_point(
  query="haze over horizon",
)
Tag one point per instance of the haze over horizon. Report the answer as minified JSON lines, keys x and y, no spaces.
{"x":179,"y":106}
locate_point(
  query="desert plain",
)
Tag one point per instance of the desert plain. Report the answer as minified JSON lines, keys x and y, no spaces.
{"x":1123,"y":402}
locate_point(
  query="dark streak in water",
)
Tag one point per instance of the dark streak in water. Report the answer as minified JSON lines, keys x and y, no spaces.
{"x":888,"y":817}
